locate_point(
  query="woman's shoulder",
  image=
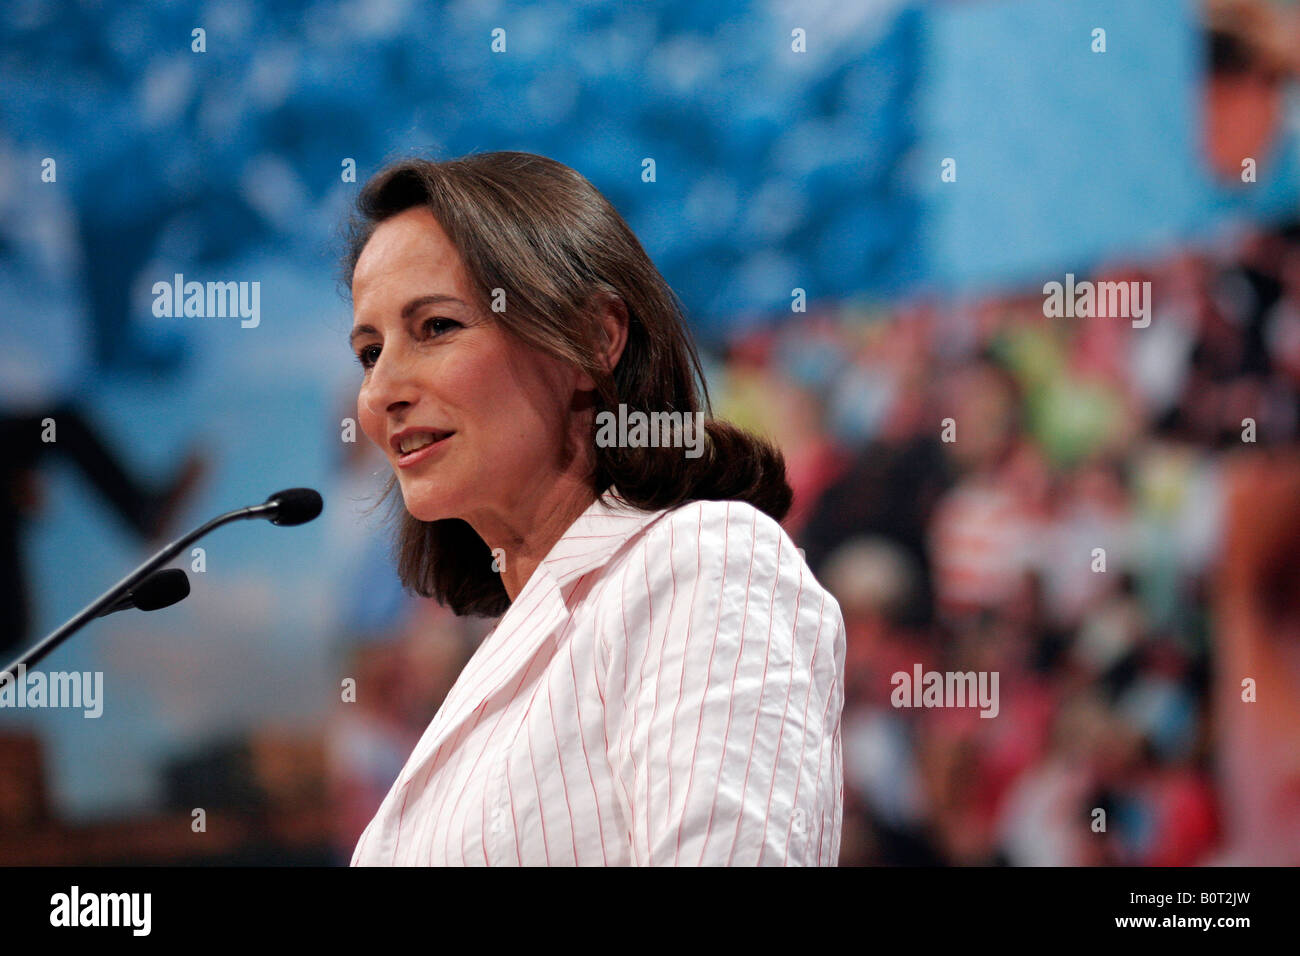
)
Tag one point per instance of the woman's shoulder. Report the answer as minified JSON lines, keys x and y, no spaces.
{"x":712,"y":513}
{"x":717,"y":567}
{"x":730,"y":540}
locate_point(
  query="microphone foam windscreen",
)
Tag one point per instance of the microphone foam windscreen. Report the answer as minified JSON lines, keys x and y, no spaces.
{"x":296,"y":506}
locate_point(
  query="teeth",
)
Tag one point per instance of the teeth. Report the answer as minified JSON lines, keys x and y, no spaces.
{"x":413,"y":442}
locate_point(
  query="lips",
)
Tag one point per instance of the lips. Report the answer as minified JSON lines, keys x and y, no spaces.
{"x":419,"y":445}
{"x":411,"y":439}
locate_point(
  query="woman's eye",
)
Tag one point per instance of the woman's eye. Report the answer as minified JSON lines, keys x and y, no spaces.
{"x":440,"y":325}
{"x":433,"y":327}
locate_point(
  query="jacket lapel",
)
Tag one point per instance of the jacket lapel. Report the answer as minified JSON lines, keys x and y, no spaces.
{"x":531,"y":623}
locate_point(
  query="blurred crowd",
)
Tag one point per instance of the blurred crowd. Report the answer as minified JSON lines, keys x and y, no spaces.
{"x":987,"y":489}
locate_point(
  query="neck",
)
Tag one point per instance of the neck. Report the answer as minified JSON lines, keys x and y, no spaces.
{"x":521,"y":535}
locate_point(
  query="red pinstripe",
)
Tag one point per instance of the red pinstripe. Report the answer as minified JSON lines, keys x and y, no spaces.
{"x":731,"y":697}
{"x":541,"y":813}
{"x":780,"y":737}
{"x":686,"y":647}
{"x":807,"y":700}
{"x":464,"y":731}
{"x":820,"y":760}
{"x":699,"y":726}
{"x":559,"y":762}
{"x":586,"y":758}
{"x":758,"y":711}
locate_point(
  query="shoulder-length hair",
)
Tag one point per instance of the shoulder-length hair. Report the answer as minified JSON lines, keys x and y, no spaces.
{"x":541,"y":232}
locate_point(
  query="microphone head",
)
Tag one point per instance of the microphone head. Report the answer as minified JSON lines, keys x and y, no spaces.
{"x":162,"y":589}
{"x":295,"y":506}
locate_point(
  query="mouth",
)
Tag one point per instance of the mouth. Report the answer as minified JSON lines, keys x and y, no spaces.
{"x":415,"y":446}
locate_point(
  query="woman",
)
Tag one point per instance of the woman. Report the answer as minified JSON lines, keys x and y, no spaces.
{"x":665,"y":683}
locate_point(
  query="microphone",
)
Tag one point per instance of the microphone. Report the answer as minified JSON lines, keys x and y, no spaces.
{"x":289,"y":507}
{"x":160,"y":589}
{"x":292,"y":506}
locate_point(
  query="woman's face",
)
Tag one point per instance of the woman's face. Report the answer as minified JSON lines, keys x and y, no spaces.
{"x":436,"y":367}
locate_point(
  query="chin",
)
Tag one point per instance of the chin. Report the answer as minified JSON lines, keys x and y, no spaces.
{"x":427,"y":514}
{"x":426,"y":507}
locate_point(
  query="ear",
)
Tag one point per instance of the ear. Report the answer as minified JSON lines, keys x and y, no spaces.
{"x":611,"y":327}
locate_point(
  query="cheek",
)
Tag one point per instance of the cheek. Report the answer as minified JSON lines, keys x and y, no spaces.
{"x":538,"y":420}
{"x":371,"y":424}
{"x":480,"y":387}
{"x":513,"y":398}
{"x":519,"y":398}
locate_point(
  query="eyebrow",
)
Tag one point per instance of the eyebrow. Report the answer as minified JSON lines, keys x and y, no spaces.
{"x":407,"y":310}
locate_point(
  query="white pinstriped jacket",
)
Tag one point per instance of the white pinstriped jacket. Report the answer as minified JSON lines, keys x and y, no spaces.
{"x":665,"y":690}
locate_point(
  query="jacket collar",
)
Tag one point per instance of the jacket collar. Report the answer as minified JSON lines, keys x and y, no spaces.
{"x":594,"y":537}
{"x":534,"y":618}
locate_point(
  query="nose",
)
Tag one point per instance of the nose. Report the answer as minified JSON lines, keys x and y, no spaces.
{"x":391,"y":384}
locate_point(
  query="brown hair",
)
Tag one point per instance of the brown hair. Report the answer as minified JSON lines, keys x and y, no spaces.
{"x":540,"y":231}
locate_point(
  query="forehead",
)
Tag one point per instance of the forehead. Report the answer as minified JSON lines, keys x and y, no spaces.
{"x":407,"y":253}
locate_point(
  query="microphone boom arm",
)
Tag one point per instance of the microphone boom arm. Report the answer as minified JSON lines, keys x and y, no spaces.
{"x":113,"y":594}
